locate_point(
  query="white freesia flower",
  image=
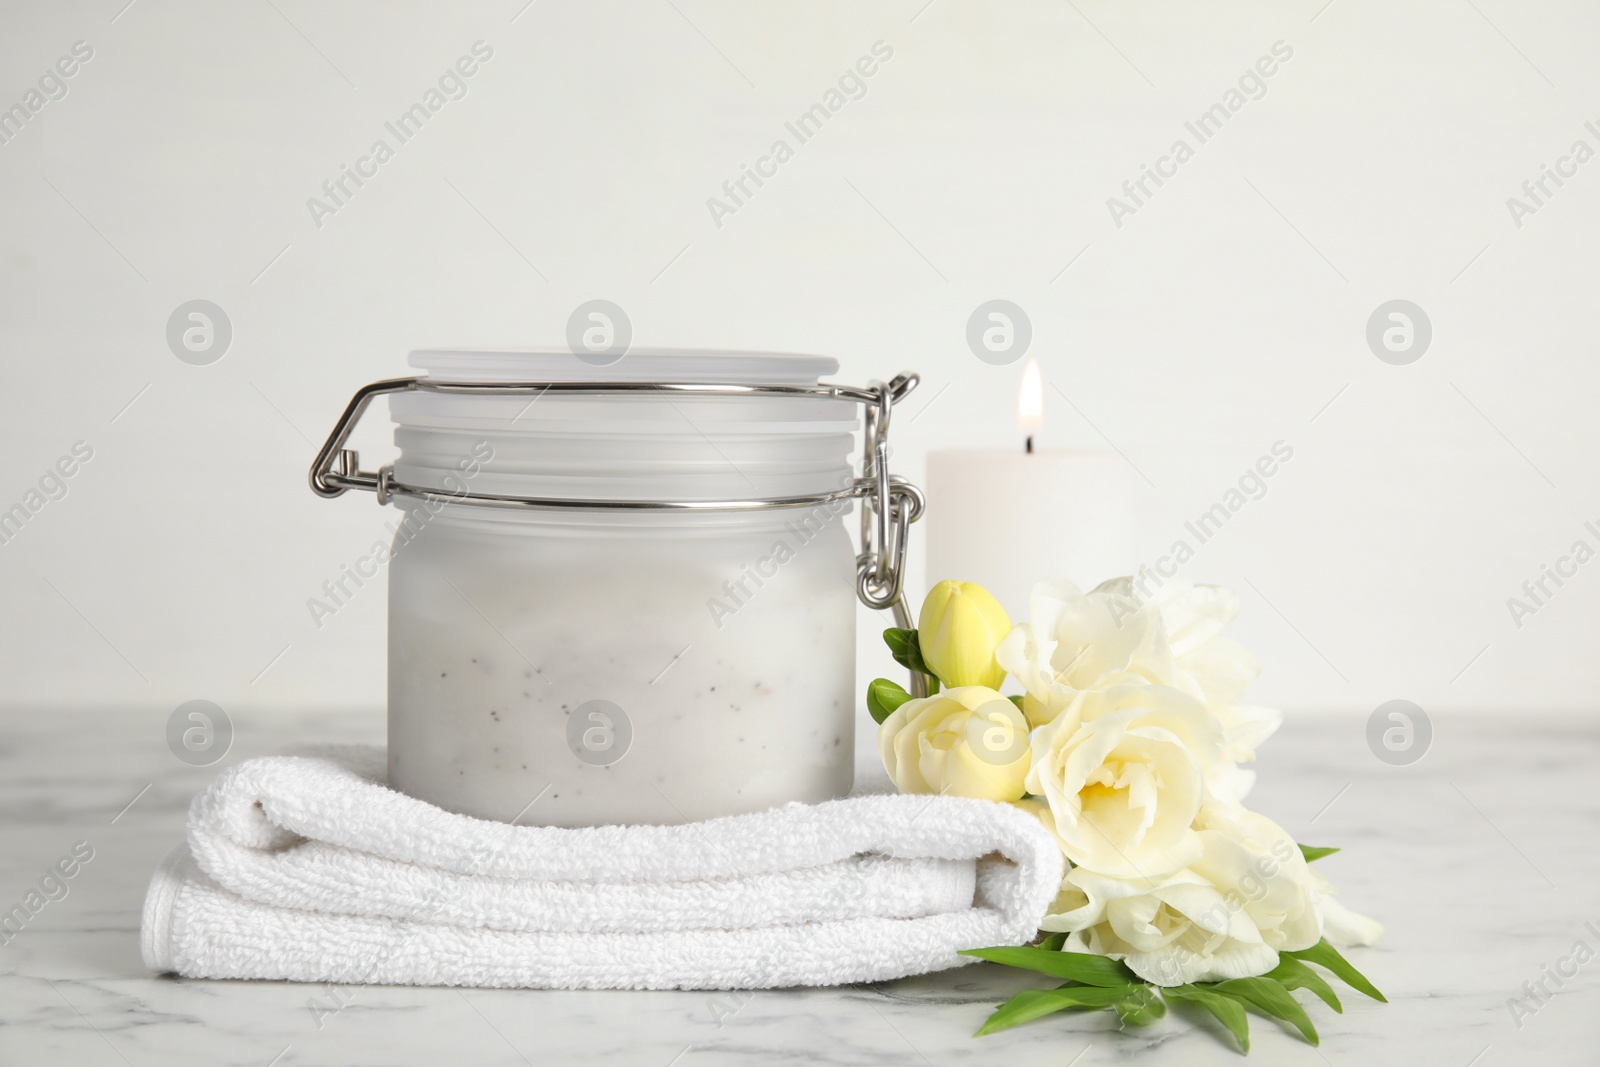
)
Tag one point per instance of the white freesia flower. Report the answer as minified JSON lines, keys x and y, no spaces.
{"x":1248,"y":895}
{"x":1123,"y":777}
{"x":1138,"y":733}
{"x":967,"y":742}
{"x":1076,"y":642}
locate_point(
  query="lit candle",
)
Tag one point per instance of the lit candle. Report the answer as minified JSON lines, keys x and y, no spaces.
{"x":1006,"y":517}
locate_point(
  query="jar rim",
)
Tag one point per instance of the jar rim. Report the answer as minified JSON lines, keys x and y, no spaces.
{"x":718,"y":366}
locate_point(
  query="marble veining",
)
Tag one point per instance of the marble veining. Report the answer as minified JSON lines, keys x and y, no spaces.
{"x":1481,"y":859}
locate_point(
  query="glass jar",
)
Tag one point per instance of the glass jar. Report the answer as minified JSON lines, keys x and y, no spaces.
{"x":681,"y":650}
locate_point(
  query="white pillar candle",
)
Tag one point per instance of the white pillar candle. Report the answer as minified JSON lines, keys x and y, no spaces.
{"x":1006,"y":517}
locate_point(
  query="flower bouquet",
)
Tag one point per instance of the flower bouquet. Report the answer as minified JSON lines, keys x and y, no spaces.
{"x":1128,"y":743}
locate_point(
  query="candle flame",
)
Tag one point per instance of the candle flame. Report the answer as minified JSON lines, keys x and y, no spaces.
{"x":1030,"y":402}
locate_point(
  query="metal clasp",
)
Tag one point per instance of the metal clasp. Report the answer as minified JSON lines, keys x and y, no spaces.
{"x":889,"y":504}
{"x":337,"y":468}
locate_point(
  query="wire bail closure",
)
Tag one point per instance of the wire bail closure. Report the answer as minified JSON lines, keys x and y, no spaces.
{"x":889,"y":503}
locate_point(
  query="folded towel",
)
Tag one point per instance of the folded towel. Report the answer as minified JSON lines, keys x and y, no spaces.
{"x":308,"y":868}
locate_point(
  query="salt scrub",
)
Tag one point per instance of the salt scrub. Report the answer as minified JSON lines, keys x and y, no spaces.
{"x":493,"y":648}
{"x":717,"y":648}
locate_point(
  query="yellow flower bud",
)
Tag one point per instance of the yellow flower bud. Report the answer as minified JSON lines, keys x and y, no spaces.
{"x":964,"y":742}
{"x":960,"y":625}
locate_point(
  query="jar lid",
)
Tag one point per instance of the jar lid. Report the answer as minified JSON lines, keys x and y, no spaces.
{"x":637,"y":445}
{"x":802,"y":458}
{"x":638,"y":365}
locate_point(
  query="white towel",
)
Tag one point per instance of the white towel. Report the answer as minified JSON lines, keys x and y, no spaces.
{"x":308,"y":868}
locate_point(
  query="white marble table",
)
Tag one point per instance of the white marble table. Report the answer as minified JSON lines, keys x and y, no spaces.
{"x":1483,"y":859}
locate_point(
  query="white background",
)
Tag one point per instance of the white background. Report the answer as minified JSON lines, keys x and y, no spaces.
{"x":1225,"y":315}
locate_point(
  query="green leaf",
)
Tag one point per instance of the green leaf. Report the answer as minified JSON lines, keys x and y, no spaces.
{"x":1270,"y":998}
{"x":907,"y":652}
{"x":1082,"y":967}
{"x":1312,"y":853}
{"x":905,"y":648}
{"x":1292,"y":974}
{"x":1031,"y":1004}
{"x":1226,"y":1010}
{"x":1053,"y":942}
{"x":1325,"y":955}
{"x":1017,"y":700}
{"x":883,"y":696}
{"x":1140,"y":1007}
